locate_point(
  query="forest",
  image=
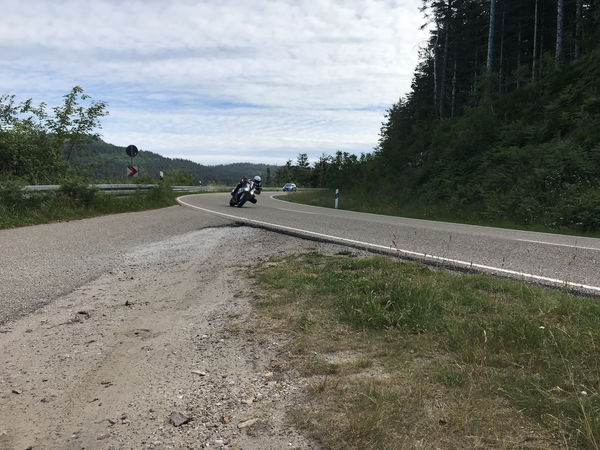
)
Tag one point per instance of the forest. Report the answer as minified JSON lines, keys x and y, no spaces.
{"x":502,"y":121}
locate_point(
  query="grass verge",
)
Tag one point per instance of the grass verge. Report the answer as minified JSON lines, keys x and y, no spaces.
{"x":79,"y":203}
{"x":398,"y":355}
{"x":370,"y":203}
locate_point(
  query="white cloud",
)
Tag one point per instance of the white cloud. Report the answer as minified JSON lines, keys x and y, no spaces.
{"x":219,"y":80}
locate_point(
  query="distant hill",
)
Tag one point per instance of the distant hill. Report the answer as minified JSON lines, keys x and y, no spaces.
{"x":107,"y":163}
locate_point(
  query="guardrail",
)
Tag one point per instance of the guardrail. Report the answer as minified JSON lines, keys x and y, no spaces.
{"x":129,"y":188}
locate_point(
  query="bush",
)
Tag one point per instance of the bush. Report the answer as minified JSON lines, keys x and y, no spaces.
{"x":80,"y":193}
{"x":11,"y":193}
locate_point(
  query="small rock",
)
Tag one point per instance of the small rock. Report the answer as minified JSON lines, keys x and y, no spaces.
{"x":47,"y":399}
{"x":103,"y":436}
{"x":248,"y":401}
{"x":225,"y":419}
{"x":268,"y":375}
{"x":219,"y":442}
{"x":16,"y":391}
{"x":199,"y":372}
{"x":247,"y":423}
{"x":178,"y":419}
{"x":112,"y":422}
{"x":443,"y":422}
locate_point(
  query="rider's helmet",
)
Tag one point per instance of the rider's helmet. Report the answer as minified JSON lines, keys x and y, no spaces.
{"x":257,"y":179}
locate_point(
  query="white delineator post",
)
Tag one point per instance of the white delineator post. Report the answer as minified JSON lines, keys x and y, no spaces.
{"x":337,"y":198}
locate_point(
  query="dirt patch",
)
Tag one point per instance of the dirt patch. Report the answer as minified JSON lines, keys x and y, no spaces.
{"x":106,"y":365}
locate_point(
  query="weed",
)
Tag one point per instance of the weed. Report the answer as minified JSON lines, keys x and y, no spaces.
{"x":74,"y":201}
{"x":497,"y":361}
{"x":346,"y":253}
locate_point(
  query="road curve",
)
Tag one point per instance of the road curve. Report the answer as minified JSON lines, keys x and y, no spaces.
{"x":551,"y":259}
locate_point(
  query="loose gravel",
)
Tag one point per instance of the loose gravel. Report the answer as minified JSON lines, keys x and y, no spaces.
{"x":129,"y":341}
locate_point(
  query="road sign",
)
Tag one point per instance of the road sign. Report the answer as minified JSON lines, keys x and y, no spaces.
{"x":132,"y":171}
{"x":131,"y":151}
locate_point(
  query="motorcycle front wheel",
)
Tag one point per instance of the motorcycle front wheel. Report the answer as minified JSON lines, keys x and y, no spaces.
{"x":242,"y":200}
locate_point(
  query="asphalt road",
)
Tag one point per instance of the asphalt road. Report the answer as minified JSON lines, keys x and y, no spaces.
{"x":539,"y":257}
{"x":39,"y":263}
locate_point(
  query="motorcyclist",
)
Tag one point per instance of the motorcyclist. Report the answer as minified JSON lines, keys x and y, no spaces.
{"x":256,"y":184}
{"x":244,"y":181}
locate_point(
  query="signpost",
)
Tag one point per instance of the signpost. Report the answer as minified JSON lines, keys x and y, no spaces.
{"x":132,"y":171}
{"x":337,"y":198}
{"x":132,"y":151}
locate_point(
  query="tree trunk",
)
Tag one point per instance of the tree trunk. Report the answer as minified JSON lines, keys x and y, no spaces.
{"x":559,"y":34}
{"x":540,"y":65}
{"x":535,"y":35}
{"x":490,"y":49}
{"x":442,"y":92}
{"x":453,"y":88}
{"x":578,"y":27}
{"x":500,"y":65}
{"x":518,"y":56}
{"x":435,"y":77}
{"x":475,"y":69}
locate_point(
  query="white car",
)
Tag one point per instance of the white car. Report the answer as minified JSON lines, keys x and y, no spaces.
{"x":289,"y":187}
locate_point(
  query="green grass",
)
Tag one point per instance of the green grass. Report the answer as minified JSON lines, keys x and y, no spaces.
{"x":472,"y":342}
{"x":372,"y":203}
{"x":38,"y":208}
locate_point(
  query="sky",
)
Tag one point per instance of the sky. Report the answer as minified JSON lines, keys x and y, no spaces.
{"x":219,"y":81}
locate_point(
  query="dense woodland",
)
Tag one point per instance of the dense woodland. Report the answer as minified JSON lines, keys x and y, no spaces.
{"x":502,"y":120}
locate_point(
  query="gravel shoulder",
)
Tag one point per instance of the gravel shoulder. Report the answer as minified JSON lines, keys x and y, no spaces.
{"x":104,"y":363}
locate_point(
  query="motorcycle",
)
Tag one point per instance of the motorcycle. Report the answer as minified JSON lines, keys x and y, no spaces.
{"x":247,"y":192}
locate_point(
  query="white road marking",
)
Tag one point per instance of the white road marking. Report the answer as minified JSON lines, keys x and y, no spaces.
{"x":560,"y":245}
{"x":425,"y":256}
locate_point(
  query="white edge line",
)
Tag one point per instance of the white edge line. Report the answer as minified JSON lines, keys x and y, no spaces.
{"x":425,"y":256}
{"x":560,"y":245}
